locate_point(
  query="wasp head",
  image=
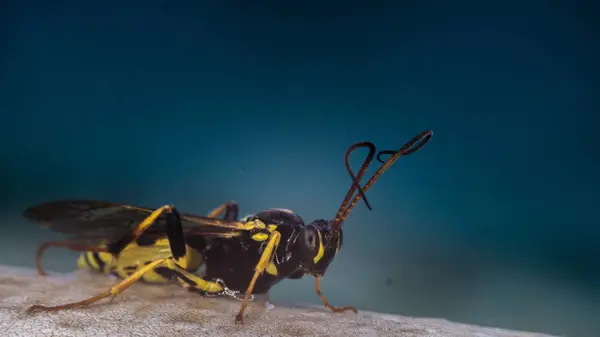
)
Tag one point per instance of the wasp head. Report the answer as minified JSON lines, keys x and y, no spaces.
{"x":318,"y":244}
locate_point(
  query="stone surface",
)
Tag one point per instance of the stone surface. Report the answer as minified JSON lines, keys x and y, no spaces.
{"x":145,"y":310}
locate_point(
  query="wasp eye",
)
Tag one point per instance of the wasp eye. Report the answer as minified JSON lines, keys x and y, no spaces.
{"x":310,"y":238}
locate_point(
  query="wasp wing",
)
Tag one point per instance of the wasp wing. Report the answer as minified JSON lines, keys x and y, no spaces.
{"x":111,"y":221}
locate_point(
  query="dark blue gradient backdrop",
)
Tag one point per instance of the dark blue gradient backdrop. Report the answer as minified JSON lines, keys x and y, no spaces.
{"x":196,"y":103}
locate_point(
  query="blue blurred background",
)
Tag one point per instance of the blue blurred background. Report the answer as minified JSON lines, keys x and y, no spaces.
{"x":196,"y":103}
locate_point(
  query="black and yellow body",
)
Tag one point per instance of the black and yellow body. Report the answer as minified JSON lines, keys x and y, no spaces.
{"x":301,"y":248}
{"x":247,"y":257}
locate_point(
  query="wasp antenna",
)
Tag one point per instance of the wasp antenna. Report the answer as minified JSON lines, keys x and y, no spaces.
{"x":412,"y":146}
{"x":355,"y":179}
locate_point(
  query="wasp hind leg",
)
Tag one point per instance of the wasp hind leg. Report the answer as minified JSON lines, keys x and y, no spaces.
{"x":326,"y":303}
{"x":164,"y":274}
{"x":112,"y":292}
{"x":65,"y":244}
{"x":183,"y":275}
{"x":230,"y":209}
{"x":118,"y":246}
{"x":178,"y":251}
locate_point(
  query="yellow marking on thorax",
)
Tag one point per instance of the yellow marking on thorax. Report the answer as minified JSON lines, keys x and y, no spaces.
{"x":260,"y":237}
{"x":254,"y":224}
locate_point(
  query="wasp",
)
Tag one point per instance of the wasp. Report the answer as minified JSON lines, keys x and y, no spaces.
{"x":246,"y":256}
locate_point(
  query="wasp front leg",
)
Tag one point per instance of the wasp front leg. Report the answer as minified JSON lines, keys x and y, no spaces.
{"x":266,"y":259}
{"x":326,"y":303}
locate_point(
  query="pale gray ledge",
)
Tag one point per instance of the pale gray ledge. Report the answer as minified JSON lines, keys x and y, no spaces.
{"x":146,"y":310}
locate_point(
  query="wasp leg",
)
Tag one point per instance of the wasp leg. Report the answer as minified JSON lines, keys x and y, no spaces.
{"x":117,"y":247}
{"x":324,"y":300}
{"x":134,"y":257}
{"x":180,"y":260}
{"x":265,"y":260}
{"x":113,"y":291}
{"x":230,"y":209}
{"x":178,"y":252}
{"x":184,"y":276}
{"x":66,"y":244}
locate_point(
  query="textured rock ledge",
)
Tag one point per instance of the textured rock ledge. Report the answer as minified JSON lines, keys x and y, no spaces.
{"x":145,"y":310}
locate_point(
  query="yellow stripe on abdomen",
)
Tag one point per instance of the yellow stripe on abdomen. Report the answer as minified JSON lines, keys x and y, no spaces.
{"x":99,"y":262}
{"x":107,"y":264}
